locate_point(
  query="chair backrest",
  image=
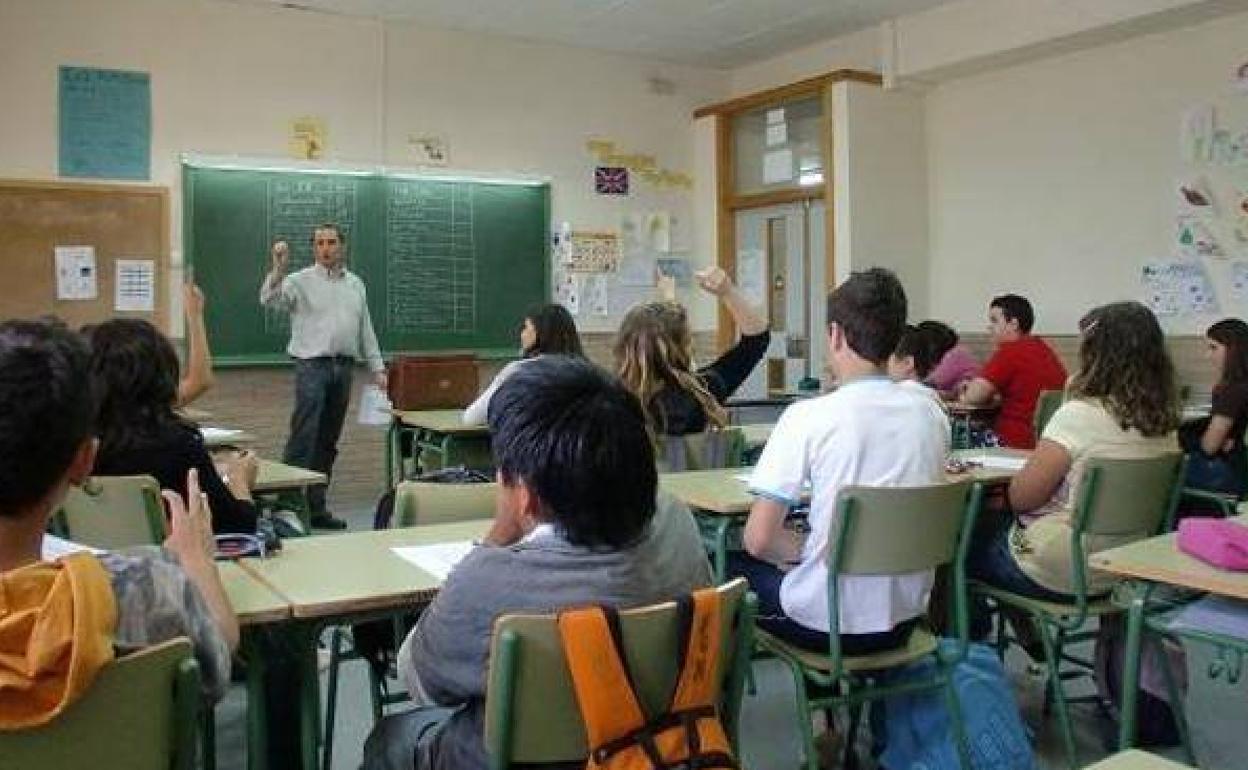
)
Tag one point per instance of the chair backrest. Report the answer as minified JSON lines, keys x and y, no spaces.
{"x":115,"y":512}
{"x":1046,"y":404}
{"x":531,"y":709}
{"x":1128,"y":497}
{"x":892,"y":530}
{"x":708,"y":450}
{"x":141,"y":713}
{"x":420,"y":502}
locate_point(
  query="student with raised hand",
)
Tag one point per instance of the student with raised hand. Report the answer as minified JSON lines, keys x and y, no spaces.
{"x":118,"y":602}
{"x":134,"y":371}
{"x":199,"y":377}
{"x":955,"y":365}
{"x":654,"y":358}
{"x":1122,"y":403}
{"x":545,"y":330}
{"x":870,"y":430}
{"x":1216,"y":444}
{"x":579,"y":521}
{"x":1021,"y":367}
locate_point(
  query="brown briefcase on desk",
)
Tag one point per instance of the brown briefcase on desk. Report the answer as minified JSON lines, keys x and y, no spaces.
{"x":433,"y":382}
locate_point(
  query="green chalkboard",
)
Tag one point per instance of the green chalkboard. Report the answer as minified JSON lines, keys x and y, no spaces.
{"x":449,"y":264}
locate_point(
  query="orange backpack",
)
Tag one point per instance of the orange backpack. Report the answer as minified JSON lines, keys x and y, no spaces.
{"x":689,"y":734}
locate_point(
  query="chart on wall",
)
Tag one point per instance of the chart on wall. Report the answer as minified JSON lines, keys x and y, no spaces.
{"x":1206,"y":271}
{"x":449,"y":264}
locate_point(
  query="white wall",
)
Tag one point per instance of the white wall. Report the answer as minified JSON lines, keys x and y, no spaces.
{"x":1056,"y":178}
{"x":227,"y":78}
{"x":858,"y":50}
{"x":881,"y":179}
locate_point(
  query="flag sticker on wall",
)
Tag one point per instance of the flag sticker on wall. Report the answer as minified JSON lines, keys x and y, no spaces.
{"x":611,"y":180}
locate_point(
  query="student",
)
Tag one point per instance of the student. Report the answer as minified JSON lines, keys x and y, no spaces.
{"x":1216,"y":444}
{"x":1019,"y":369}
{"x":654,"y":358}
{"x":135,"y":373}
{"x":198,"y":377}
{"x":911,"y":362}
{"x":546,"y":330}
{"x":577,"y":523}
{"x":955,"y":365}
{"x":82,"y":609}
{"x":1122,"y":403}
{"x":871,"y":431}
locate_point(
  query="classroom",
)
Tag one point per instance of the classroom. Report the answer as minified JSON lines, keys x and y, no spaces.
{"x":765,"y":185}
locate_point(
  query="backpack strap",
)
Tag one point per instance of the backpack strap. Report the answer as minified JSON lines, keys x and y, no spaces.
{"x":700,"y":645}
{"x":600,"y":675}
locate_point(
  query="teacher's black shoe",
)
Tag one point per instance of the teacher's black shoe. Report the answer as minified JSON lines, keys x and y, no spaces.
{"x":326,"y":520}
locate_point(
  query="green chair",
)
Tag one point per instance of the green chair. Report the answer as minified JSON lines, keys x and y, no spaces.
{"x":1047,"y":403}
{"x":1127,"y":499}
{"x":710,"y":449}
{"x":141,"y":713}
{"x":114,"y":512}
{"x":886,"y":531}
{"x":416,"y":503}
{"x":531,"y":713}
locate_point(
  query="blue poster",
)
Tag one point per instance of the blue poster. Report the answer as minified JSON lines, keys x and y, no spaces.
{"x":105,"y":123}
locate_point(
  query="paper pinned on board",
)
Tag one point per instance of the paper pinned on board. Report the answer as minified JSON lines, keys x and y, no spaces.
{"x":777,"y":134}
{"x":134,"y":285}
{"x":75,"y":272}
{"x":777,"y":166}
{"x":438,"y":559}
{"x":598,"y":295}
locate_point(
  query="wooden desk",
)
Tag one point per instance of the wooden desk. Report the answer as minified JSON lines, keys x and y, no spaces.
{"x":279,"y":477}
{"x":439,"y":432}
{"x":342,"y":579}
{"x":756,"y":434}
{"x":1147,"y":563}
{"x":254,"y":602}
{"x":355,"y":572}
{"x":721,"y":500}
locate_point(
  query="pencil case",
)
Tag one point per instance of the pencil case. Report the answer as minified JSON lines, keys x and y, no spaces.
{"x":1219,"y":542}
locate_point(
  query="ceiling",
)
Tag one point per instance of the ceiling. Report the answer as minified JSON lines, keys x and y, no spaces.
{"x":710,"y":33}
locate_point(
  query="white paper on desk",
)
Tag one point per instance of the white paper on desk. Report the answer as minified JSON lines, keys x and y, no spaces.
{"x":374,"y":406}
{"x":436,"y":558}
{"x":55,"y":547}
{"x":218,"y":434}
{"x":1001,"y":462}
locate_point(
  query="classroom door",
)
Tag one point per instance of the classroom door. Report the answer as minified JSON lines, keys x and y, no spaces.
{"x":780,"y":268}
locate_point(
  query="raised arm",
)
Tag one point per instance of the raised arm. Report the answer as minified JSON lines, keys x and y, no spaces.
{"x":273,"y":292}
{"x":748,"y":319}
{"x":199,"y":376}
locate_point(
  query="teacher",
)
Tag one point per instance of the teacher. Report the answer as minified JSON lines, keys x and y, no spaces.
{"x":330,"y":329}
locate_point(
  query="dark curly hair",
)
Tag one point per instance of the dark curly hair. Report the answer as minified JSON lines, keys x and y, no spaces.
{"x":1124,"y":363}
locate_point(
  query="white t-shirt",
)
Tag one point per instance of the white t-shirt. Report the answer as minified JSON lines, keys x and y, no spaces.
{"x":869,"y":432}
{"x":478,"y":410}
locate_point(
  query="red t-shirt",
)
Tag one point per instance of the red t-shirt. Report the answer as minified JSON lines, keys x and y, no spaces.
{"x":1019,"y":370}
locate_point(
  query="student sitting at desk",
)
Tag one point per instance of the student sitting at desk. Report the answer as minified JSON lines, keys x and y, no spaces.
{"x":135,"y":373}
{"x":546,"y":330}
{"x":955,"y":365}
{"x":1018,"y":371}
{"x":83,"y":609}
{"x":1123,"y":404}
{"x":912,"y":360}
{"x":871,"y":431}
{"x":577,"y":523}
{"x":654,"y":358}
{"x":1215,"y":444}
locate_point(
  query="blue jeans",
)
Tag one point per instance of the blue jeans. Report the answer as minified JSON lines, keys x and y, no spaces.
{"x":322,"y":394}
{"x":1216,"y":474}
{"x":991,"y":561}
{"x":396,"y":739}
{"x":764,"y":579}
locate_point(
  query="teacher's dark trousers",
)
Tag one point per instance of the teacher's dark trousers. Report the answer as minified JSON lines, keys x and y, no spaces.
{"x":322,"y":393}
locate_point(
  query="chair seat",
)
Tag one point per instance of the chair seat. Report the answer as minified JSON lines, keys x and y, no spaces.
{"x":1096,"y":606}
{"x":921,"y":644}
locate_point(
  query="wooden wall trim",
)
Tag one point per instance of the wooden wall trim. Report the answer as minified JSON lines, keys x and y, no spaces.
{"x":807,"y":87}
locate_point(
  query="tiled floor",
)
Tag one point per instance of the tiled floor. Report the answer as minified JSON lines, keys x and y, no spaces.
{"x":769,"y":734}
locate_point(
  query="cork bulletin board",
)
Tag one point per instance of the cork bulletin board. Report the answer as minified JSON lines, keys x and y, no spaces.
{"x":126,"y":222}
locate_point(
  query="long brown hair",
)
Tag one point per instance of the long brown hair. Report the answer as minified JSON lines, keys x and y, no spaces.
{"x":1124,"y":363}
{"x":653,"y":351}
{"x":1232,"y":334}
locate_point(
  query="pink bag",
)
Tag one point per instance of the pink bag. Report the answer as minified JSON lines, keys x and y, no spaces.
{"x":1219,"y":542}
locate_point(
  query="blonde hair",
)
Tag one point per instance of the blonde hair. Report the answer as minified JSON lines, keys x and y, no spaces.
{"x":653,"y":351}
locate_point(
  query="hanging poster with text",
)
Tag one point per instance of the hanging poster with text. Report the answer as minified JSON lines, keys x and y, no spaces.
{"x":105,"y":123}
{"x":1178,"y":288}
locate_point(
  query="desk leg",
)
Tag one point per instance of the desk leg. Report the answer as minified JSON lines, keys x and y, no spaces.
{"x":392,"y":450}
{"x":257,"y":721}
{"x":1131,"y":665}
{"x":309,"y":696}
